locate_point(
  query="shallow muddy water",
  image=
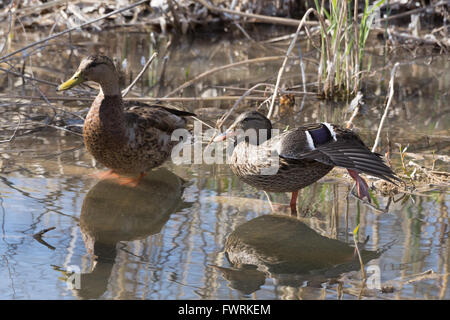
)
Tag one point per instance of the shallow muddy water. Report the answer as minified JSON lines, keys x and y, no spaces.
{"x":196,"y":231}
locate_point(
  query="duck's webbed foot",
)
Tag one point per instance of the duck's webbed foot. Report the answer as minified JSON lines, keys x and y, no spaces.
{"x":108,"y":174}
{"x":123,"y":181}
{"x":130,"y":181}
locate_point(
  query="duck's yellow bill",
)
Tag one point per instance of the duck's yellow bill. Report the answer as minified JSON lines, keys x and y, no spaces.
{"x":72,"y":82}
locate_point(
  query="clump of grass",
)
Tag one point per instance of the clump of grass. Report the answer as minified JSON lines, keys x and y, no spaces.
{"x":343,"y":40}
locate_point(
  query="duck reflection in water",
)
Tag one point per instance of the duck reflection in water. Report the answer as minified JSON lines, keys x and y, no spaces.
{"x":112,"y":213}
{"x":286,"y":249}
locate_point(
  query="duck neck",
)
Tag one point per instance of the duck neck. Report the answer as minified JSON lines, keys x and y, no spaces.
{"x":111,"y":103}
{"x":110,"y":87}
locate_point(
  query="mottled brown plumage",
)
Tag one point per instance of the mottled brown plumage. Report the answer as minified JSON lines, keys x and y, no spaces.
{"x":290,"y":176}
{"x":124,"y":138}
{"x":301,"y":156}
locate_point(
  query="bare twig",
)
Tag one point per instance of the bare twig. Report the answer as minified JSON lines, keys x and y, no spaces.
{"x":43,"y":96}
{"x":72,"y":29}
{"x":256,"y":17}
{"x":42,"y":232}
{"x":232,"y":65}
{"x":36,"y":8}
{"x":28,"y":77}
{"x":143,"y":99}
{"x":7,"y":34}
{"x":244,"y":32}
{"x":281,"y":91}
{"x":389,"y":100}
{"x":38,"y":237}
{"x":302,"y":68}
{"x":363,"y":272}
{"x":355,"y":106}
{"x":225,"y":116}
{"x":14,"y":133}
{"x":288,"y":52}
{"x":57,"y":128}
{"x":422,"y":156}
{"x":414,"y":11}
{"x":221,"y":121}
{"x":442,"y":177}
{"x":77,"y":13}
{"x":356,"y":46}
{"x":125,"y":92}
{"x":426,"y":40}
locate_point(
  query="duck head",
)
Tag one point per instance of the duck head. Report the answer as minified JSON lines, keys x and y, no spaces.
{"x":95,"y":68}
{"x":250,"y":126}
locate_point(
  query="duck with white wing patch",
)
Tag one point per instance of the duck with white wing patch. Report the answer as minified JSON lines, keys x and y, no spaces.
{"x":305,"y":155}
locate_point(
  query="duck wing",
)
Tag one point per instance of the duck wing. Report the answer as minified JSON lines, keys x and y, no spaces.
{"x":155,"y":116}
{"x":335,"y":146}
{"x":128,"y":105}
{"x":296,"y":142}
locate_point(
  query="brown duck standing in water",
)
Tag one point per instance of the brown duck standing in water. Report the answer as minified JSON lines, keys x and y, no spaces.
{"x":128,"y":141}
{"x":304,"y":154}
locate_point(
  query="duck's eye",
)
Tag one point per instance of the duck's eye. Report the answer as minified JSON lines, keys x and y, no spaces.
{"x":94,"y":64}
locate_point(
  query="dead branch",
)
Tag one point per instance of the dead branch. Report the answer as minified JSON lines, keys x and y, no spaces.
{"x":72,"y":29}
{"x":232,"y":65}
{"x":355,"y":104}
{"x":14,"y":133}
{"x":389,"y":100}
{"x":125,"y":92}
{"x":256,"y":17}
{"x":288,"y":53}
{"x":38,"y":237}
{"x":141,"y":99}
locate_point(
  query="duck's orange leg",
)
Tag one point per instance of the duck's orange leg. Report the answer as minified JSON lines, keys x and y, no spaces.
{"x":361,"y":185}
{"x":108,"y":174}
{"x":293,"y":203}
{"x":131,"y":182}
